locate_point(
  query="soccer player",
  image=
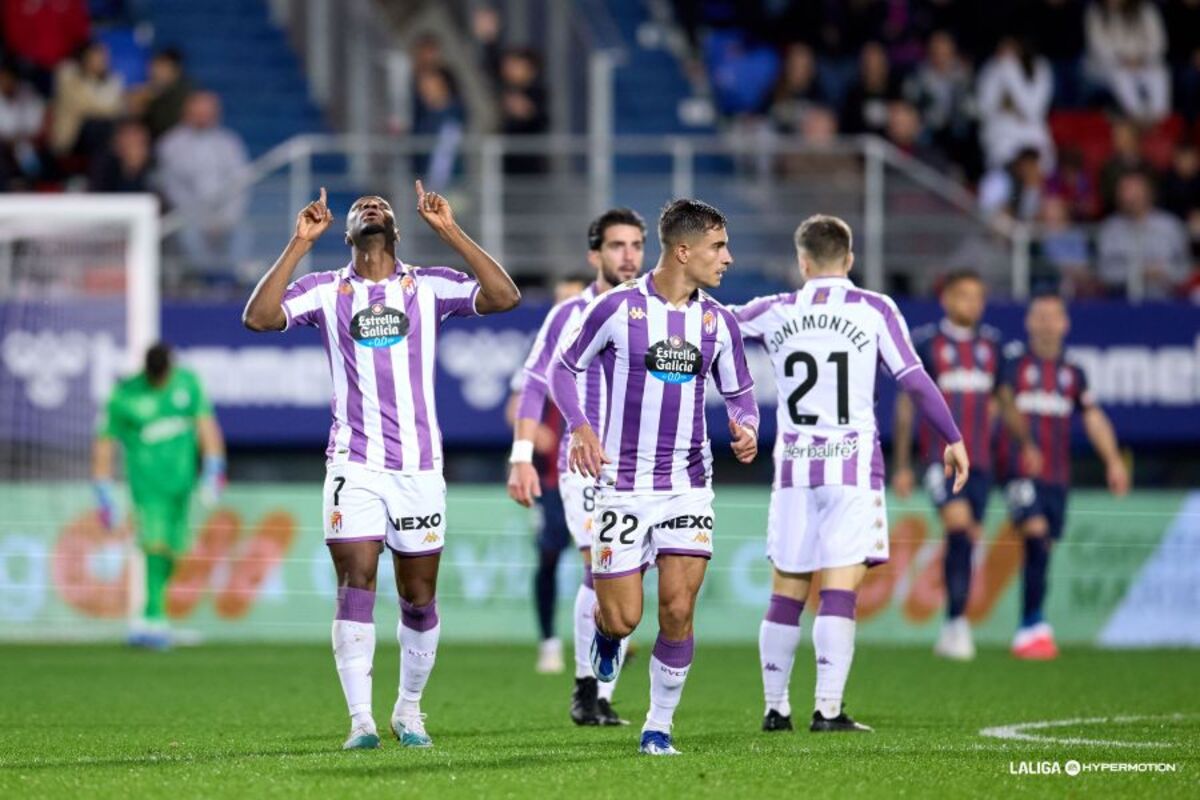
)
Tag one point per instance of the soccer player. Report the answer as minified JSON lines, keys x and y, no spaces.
{"x":616,"y":241}
{"x":963,"y":358}
{"x":379,"y":319}
{"x":827,"y":510}
{"x":551,"y":534}
{"x":1047,"y":389}
{"x":160,"y":417}
{"x":657,"y":340}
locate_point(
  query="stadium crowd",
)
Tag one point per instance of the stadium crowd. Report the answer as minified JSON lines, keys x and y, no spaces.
{"x":1078,"y":116}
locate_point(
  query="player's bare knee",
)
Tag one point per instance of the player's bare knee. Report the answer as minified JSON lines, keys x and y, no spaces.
{"x":675,"y":614}
{"x":617,"y":621}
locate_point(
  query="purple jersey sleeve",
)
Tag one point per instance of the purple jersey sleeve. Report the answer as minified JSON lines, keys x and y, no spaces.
{"x":455,"y":291}
{"x":302,"y":300}
{"x":532,"y":399}
{"x":730,"y":370}
{"x":895,"y":347}
{"x":752,"y":317}
{"x":929,"y":401}
{"x":566,"y":395}
{"x":592,"y":335}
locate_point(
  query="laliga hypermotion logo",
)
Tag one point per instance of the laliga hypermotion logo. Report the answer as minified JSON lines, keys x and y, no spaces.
{"x":46,"y":361}
{"x":483,"y":361}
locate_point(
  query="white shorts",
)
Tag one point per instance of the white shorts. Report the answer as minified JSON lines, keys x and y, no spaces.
{"x":631,"y":530}
{"x":578,"y":494}
{"x":813,"y":528}
{"x":407,"y":511}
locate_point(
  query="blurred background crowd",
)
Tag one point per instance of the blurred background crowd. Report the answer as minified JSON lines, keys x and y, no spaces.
{"x":1075,"y":117}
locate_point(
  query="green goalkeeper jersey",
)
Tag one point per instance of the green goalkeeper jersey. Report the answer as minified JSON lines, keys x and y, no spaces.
{"x":156,"y":425}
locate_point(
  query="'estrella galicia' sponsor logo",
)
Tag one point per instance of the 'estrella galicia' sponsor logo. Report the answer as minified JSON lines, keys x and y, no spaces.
{"x":843,"y":448}
{"x":378,"y":325}
{"x":684,"y":521}
{"x":673,"y":360}
{"x":417,"y":523}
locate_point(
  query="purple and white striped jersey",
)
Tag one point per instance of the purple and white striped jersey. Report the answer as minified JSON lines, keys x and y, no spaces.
{"x":561,"y":320}
{"x":826,"y":342}
{"x":381,"y":341}
{"x":656,"y":360}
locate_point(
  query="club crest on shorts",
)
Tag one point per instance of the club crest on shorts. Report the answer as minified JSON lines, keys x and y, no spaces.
{"x":606,"y":556}
{"x":709,"y":321}
{"x":335,"y":522}
{"x":378,"y":325}
{"x":674,"y":360}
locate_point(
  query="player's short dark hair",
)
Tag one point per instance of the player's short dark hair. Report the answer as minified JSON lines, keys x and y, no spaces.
{"x":825,"y":238}
{"x":686,"y":219}
{"x":958,"y":276}
{"x":158,"y":361}
{"x":614,"y":216}
{"x":172,"y":54}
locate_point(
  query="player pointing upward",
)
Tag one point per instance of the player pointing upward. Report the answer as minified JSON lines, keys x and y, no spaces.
{"x":657,"y":339}
{"x":827,"y":512}
{"x":379,"y":320}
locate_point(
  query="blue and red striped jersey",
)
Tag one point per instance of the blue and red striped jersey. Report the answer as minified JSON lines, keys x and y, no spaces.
{"x":1048,"y":393}
{"x":965,"y":364}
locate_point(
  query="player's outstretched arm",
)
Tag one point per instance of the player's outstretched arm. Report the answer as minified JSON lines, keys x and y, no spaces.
{"x":264,"y":311}
{"x":1104,"y":439}
{"x":903,"y":479}
{"x":497,"y":292}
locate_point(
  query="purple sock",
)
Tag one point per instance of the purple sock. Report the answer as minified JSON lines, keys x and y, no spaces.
{"x":355,"y":605}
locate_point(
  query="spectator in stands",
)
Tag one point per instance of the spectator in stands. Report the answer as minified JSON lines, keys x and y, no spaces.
{"x":1062,"y":261}
{"x":126,"y":166}
{"x":904,"y":131}
{"x":1014,"y":91}
{"x":1056,"y":28}
{"x":1074,"y":184}
{"x":1141,"y":249}
{"x":88,"y":99}
{"x":1127,"y":52}
{"x":941,"y":89}
{"x":798,"y":88}
{"x":169,"y":88}
{"x":1179,"y":187}
{"x":202,"y":164}
{"x":438,"y":112}
{"x":22,"y":123}
{"x":1182,"y":21}
{"x":1126,"y":157}
{"x":1016,"y":191}
{"x":865,"y":107}
{"x":522,"y":105}
{"x":41,"y":35}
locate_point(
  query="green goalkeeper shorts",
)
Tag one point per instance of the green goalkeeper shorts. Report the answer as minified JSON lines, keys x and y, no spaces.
{"x":162,"y":524}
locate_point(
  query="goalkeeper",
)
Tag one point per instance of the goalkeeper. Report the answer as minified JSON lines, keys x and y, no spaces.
{"x":160,"y":417}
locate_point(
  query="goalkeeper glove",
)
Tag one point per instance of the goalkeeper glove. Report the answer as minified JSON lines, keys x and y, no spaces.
{"x":106,"y":503}
{"x":212,"y":480}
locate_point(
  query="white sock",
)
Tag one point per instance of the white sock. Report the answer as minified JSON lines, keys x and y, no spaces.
{"x":604,"y":691}
{"x":585,"y":629}
{"x":418,"y":634}
{"x":777,"y":645}
{"x":833,"y":638}
{"x":669,"y":667}
{"x":354,"y":653}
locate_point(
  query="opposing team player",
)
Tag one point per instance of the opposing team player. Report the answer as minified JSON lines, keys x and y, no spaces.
{"x":963,"y":358}
{"x":616,"y":241}
{"x":827,"y":509}
{"x":379,"y":320}
{"x":657,"y":340}
{"x":1048,"y":390}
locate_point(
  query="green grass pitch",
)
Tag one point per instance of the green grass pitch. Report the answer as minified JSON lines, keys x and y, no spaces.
{"x":268,"y":721}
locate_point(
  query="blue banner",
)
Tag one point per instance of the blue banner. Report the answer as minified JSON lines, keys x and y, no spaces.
{"x":1143,"y":363}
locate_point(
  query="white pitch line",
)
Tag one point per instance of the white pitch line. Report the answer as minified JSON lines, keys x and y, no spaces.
{"x":1018,"y":730}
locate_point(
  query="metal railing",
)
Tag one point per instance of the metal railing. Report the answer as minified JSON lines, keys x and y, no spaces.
{"x":529,"y":199}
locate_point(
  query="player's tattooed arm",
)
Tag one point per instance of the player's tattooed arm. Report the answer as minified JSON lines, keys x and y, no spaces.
{"x":903,"y":479}
{"x":497,"y":292}
{"x":1104,"y":439}
{"x":264,"y":311}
